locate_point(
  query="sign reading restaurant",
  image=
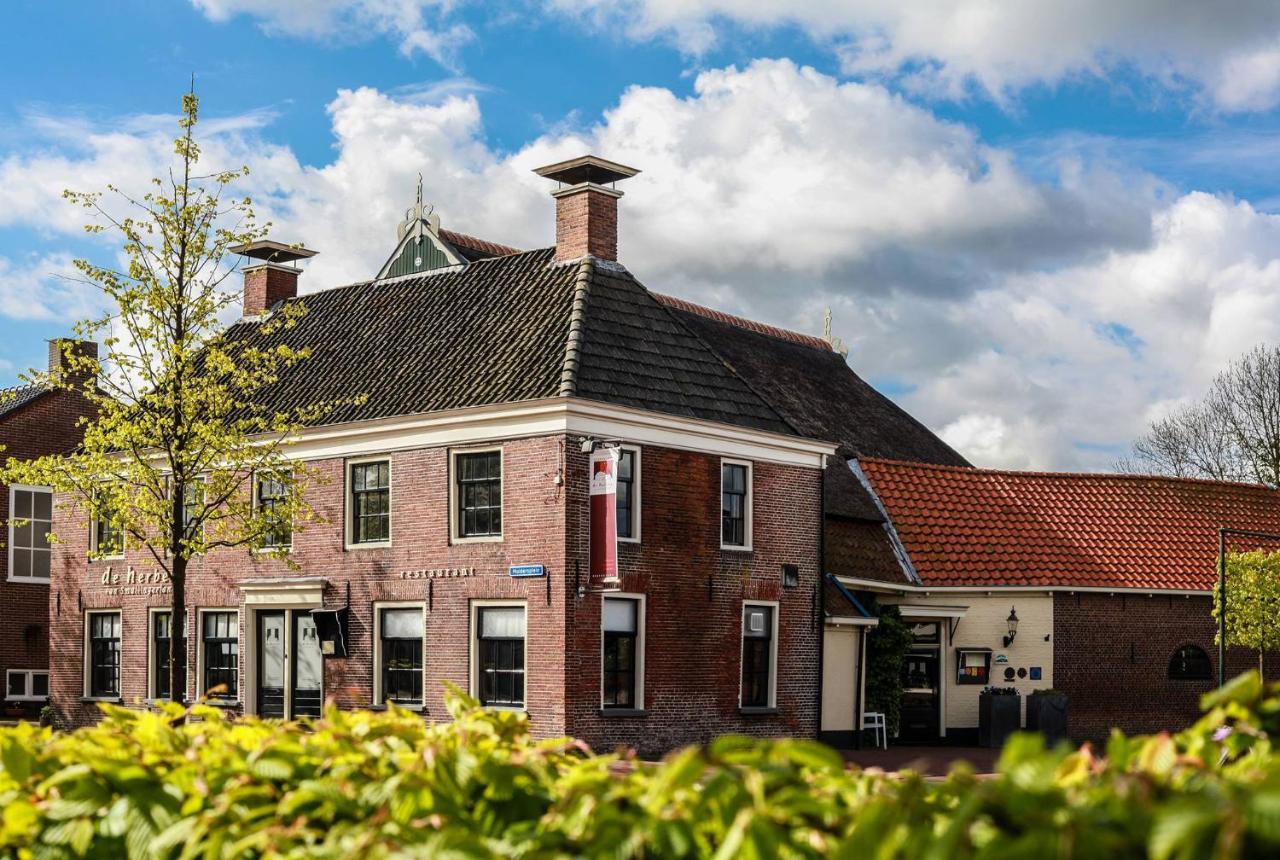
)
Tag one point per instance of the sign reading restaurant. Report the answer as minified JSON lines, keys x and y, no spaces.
{"x":438,"y":573}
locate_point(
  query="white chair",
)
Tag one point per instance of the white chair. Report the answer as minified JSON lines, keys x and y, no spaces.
{"x":874,"y":720}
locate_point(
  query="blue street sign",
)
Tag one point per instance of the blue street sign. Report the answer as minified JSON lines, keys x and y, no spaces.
{"x":521,"y":570}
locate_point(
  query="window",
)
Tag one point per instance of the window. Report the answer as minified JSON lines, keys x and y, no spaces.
{"x":759,"y":653}
{"x":735,"y":505}
{"x":30,"y":521}
{"x":371,"y":502}
{"x":108,"y":537}
{"x":192,"y":499}
{"x":628,"y":495}
{"x":399,"y":660}
{"x":104,"y":655}
{"x":220,"y":646}
{"x":478,"y":476}
{"x":1190,"y":663}
{"x":622,"y":662}
{"x":161,"y":634}
{"x":26,"y":685}
{"x":500,"y":638}
{"x":973,"y":666}
{"x":270,"y":496}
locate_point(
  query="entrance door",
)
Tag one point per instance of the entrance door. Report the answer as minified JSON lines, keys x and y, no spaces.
{"x":290,"y":667}
{"x":920,"y":695}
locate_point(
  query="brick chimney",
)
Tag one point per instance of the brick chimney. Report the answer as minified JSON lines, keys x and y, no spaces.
{"x":586,"y":211}
{"x":58,"y":369}
{"x":270,"y":280}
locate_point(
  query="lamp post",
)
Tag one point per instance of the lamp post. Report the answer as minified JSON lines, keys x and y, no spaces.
{"x":1222,"y":591}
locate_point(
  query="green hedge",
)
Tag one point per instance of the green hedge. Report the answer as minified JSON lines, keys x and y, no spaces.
{"x":358,"y":784}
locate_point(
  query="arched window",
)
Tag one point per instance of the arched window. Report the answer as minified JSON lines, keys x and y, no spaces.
{"x":1190,"y":663}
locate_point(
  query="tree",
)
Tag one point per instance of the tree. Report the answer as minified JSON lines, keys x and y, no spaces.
{"x":169,"y":459}
{"x":887,"y":647}
{"x":1232,"y":434}
{"x":1253,"y":602}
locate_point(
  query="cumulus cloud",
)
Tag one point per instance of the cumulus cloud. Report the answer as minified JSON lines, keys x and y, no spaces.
{"x":1034,"y":322}
{"x":44,"y":288}
{"x":420,"y":26}
{"x":1230,"y":53}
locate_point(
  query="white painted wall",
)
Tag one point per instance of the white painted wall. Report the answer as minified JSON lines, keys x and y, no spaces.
{"x":984,"y":626}
{"x":839,"y":681}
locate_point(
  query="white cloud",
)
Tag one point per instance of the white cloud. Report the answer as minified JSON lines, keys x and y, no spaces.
{"x":1039,"y":324}
{"x":947,"y":47}
{"x":420,"y":26}
{"x":44,"y":288}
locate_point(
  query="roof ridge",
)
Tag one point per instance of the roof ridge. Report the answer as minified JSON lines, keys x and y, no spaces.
{"x":1017,"y":473}
{"x":577,"y":317}
{"x":810,"y":340}
{"x":667,"y":309}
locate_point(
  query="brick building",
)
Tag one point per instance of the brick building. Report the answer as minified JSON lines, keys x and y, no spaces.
{"x":34,"y":420}
{"x":455,"y":495}
{"x":1110,"y":578}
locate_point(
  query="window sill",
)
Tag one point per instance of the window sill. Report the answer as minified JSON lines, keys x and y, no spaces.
{"x":115,"y":700}
{"x":478,"y":539}
{"x":32,"y":580}
{"x":106,"y":558}
{"x":26,"y":699}
{"x":269,"y":551}
{"x":417,"y":709}
{"x":623,"y":713}
{"x":515,"y":709}
{"x":731,"y":548}
{"x":360,"y":546}
{"x":757,"y":712}
{"x":219,"y":703}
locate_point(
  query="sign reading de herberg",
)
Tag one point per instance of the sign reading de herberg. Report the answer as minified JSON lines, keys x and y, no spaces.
{"x":604,"y":515}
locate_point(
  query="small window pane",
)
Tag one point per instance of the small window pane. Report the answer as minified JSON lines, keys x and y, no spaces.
{"x":502,"y":623}
{"x":39,"y":683}
{"x":620,"y":616}
{"x":21,"y":504}
{"x":402,"y":623}
{"x":39,"y":564}
{"x":43,"y":508}
{"x":17,"y":684}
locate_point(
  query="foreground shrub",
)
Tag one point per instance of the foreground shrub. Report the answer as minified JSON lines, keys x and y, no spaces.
{"x":360,"y":784}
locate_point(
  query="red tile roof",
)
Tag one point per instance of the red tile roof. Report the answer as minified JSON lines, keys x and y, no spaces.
{"x":963,"y":526}
{"x":480,"y":247}
{"x":808,"y":340}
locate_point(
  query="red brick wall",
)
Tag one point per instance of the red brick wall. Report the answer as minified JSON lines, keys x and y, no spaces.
{"x":265,"y":286}
{"x":695,"y":591}
{"x":693,"y":644}
{"x":1111,"y":655}
{"x":587,"y":223}
{"x":46,"y":425}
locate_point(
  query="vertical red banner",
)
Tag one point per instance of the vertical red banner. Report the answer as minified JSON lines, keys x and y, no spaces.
{"x":604,"y":516}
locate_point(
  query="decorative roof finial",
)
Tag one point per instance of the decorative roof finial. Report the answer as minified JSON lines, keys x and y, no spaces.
{"x":419,"y":212}
{"x":419,"y":189}
{"x":836,"y":344}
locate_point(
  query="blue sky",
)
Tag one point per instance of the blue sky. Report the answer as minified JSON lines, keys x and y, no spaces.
{"x":1037,"y":232}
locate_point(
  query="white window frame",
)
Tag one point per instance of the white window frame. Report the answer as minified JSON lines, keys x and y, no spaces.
{"x":348,"y":512}
{"x":153,"y":656}
{"x":93,"y":542}
{"x":283,"y":549}
{"x":635,"y":498}
{"x":773,"y":653}
{"x":641,"y":611}
{"x":473,"y":673}
{"x":378,"y":698}
{"x":240,"y":651}
{"x":29,"y":685}
{"x":748,"y":513}
{"x":85,"y":668}
{"x":455,"y":527}
{"x":27,"y":488}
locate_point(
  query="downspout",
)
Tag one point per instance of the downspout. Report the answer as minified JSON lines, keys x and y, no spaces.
{"x":822,"y":590}
{"x":859,"y":686}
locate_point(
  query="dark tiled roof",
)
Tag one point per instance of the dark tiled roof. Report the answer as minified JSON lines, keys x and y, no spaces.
{"x":818,"y":394}
{"x":491,"y":332}
{"x":474,"y":248}
{"x":499,"y":331}
{"x":839,"y":602}
{"x":13,"y":399}
{"x":984,"y":527}
{"x":742,"y":322}
{"x":861,"y":549}
{"x":635,"y":353}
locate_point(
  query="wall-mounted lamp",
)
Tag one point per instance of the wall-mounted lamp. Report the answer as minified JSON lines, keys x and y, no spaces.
{"x":1013,"y":626}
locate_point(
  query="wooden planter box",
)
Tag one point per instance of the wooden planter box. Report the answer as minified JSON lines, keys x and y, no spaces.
{"x":1048,"y":716}
{"x":998,"y":717}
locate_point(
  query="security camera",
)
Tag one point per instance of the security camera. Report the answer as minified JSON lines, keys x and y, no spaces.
{"x":587,"y":445}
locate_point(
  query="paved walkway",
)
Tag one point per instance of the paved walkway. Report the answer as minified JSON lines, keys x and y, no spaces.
{"x":930,"y":761}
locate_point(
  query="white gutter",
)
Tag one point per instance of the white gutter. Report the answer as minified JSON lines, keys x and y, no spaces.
{"x":921,"y":589}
